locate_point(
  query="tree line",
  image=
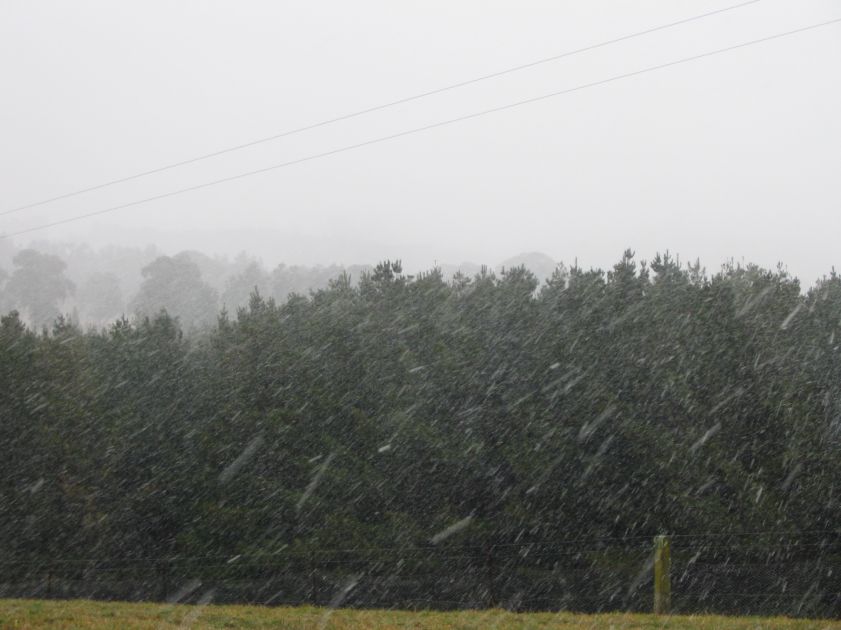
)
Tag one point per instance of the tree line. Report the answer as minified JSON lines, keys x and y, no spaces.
{"x":96,"y":287}
{"x":403,"y":411}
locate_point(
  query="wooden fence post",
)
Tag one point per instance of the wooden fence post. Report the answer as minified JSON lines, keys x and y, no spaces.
{"x":662,"y":581}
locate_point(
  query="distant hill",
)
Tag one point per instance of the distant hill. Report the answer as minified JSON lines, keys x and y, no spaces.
{"x":538,"y":263}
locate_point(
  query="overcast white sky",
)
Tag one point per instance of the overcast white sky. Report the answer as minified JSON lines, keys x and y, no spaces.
{"x":733,"y":156}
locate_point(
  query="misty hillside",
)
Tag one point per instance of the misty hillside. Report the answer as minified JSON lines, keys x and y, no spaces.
{"x":97,"y":286}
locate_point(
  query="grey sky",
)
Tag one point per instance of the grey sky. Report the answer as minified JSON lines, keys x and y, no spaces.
{"x":732,"y":156}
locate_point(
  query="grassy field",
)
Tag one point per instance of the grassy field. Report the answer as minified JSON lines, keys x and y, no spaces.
{"x":88,"y":614}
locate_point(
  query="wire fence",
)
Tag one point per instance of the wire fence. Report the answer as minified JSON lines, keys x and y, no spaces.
{"x":763,"y":573}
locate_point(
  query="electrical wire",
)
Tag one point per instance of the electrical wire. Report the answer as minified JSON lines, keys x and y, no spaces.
{"x":429,"y":127}
{"x":376,"y":108}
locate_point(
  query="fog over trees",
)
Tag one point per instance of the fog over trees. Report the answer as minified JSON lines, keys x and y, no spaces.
{"x":95,"y":286}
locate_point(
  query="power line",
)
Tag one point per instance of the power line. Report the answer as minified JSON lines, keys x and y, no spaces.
{"x":376,"y":108}
{"x":429,"y":127}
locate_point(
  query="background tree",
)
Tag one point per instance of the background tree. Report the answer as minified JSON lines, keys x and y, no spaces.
{"x":100,"y":298}
{"x":4,"y":277}
{"x":239,"y":287}
{"x":38,"y":286}
{"x":175,"y":284}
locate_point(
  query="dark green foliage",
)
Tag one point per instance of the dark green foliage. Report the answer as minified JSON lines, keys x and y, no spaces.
{"x":646,"y":399}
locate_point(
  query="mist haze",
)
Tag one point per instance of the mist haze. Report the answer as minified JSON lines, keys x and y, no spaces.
{"x":477,"y":314}
{"x":726,"y":157}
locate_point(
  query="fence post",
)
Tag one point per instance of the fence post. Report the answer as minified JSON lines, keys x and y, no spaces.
{"x":662,"y":581}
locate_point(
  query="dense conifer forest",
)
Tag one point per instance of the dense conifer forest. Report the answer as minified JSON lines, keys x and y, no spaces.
{"x":417,"y":413}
